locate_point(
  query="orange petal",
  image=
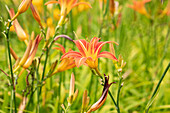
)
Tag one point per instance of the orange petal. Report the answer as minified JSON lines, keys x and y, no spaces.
{"x":52,"y":2}
{"x":80,"y":61}
{"x":84,"y":3}
{"x":62,"y":49}
{"x":107,"y":55}
{"x":71,"y":54}
{"x":81,"y":45}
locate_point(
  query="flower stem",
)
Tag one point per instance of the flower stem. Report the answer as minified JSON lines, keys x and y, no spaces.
{"x":12,"y":75}
{"x":156,"y":89}
{"x":118,"y":93}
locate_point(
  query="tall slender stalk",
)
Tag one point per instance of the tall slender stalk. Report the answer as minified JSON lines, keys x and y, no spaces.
{"x":156,"y":90}
{"x":118,"y":92}
{"x":13,"y":99}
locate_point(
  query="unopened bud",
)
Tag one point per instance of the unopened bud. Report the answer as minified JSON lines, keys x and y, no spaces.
{"x":36,"y":14}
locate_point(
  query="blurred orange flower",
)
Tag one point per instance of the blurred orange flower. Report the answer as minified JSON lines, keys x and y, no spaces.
{"x":66,"y":6}
{"x":139,"y":6}
{"x":89,"y":52}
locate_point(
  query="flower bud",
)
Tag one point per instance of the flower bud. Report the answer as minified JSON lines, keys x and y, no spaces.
{"x":36,"y":14}
{"x":22,"y":8}
{"x":22,"y":35}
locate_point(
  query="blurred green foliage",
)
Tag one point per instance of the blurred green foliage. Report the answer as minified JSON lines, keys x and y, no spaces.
{"x":143,"y":43}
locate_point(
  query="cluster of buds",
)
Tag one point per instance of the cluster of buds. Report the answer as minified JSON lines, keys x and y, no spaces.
{"x":119,"y":64}
{"x":25,"y":4}
{"x":29,"y":54}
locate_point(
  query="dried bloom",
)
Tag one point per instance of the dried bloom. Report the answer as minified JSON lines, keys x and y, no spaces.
{"x":102,"y":99}
{"x":139,"y":6}
{"x":89,"y":52}
{"x":22,"y":35}
{"x":66,"y":63}
{"x":66,"y":6}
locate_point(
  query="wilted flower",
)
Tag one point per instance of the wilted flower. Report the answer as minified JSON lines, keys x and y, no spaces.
{"x":66,"y":63}
{"x":102,"y":99}
{"x":139,"y":6}
{"x":66,"y":6}
{"x":89,"y":52}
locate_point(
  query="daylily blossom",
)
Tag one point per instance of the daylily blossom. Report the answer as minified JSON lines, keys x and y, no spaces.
{"x":25,"y":4}
{"x":66,"y":63}
{"x":66,"y":6}
{"x":102,"y":99}
{"x":139,"y":6}
{"x":89,"y":52}
{"x":22,"y":35}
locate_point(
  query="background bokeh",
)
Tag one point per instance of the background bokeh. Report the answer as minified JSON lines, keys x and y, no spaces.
{"x":143,"y":43}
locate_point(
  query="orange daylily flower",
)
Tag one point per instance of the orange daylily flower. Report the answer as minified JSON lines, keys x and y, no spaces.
{"x":66,"y":63}
{"x":89,"y":52}
{"x":139,"y":6}
{"x":66,"y":6}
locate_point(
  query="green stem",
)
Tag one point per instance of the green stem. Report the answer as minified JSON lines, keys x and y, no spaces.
{"x":12,"y":75}
{"x":118,"y":93}
{"x":156,"y":89}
